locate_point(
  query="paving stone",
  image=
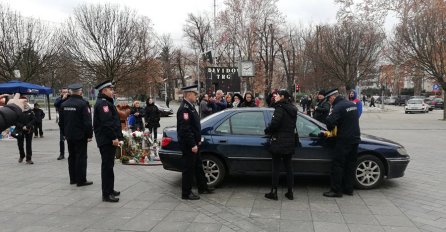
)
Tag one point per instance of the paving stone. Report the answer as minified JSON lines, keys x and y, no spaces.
{"x":364,"y":219}
{"x":365,"y":228}
{"x":205,"y":227}
{"x":298,"y":215}
{"x":292,"y":226}
{"x":328,"y":226}
{"x":318,"y":216}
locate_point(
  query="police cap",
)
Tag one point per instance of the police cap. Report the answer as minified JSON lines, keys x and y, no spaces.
{"x":331,"y":92}
{"x":75,"y":86}
{"x":191,"y":88}
{"x":105,"y":84}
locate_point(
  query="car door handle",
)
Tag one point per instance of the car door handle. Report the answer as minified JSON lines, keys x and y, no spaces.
{"x":222,"y":141}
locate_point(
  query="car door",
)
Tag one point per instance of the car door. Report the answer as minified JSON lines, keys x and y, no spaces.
{"x":241,"y":139}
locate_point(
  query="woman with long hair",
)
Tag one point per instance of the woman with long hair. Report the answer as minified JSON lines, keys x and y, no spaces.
{"x":152,"y":117}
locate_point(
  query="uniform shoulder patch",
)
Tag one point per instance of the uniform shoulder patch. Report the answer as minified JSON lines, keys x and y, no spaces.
{"x":105,"y":109}
{"x":186,"y":116}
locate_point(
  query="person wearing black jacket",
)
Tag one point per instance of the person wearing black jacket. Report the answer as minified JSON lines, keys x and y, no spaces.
{"x":24,"y":132}
{"x":39,"y":117}
{"x":189,"y":139}
{"x":322,"y":108}
{"x":10,"y":110}
{"x":75,"y":124}
{"x":283,"y":141}
{"x":248,"y":100}
{"x":345,"y":117}
{"x":108,"y":133}
{"x":63,"y":97}
{"x":138,"y":113}
{"x":152,"y":117}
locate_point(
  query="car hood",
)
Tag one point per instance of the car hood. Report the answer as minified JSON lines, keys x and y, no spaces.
{"x":371,"y":139}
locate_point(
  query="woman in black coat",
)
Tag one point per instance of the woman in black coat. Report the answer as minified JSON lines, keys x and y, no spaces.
{"x":248,"y":100}
{"x":24,"y":132}
{"x":138,"y":113}
{"x":283,"y":141}
{"x":152,"y":117}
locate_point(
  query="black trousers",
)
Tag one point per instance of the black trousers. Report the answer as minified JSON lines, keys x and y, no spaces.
{"x":61,"y":143}
{"x":342,"y":171}
{"x":77,"y":160}
{"x":20,"y":142}
{"x":153,"y":132}
{"x":108,"y":162}
{"x":192,"y":168}
{"x":288,"y":168}
{"x":38,"y":129}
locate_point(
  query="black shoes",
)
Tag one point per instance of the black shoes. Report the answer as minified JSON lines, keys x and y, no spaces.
{"x":29,"y":162}
{"x":61,"y":157}
{"x":272,"y":195}
{"x":289,"y":195}
{"x":190,"y":196}
{"x":332,"y":194}
{"x":72,"y":182}
{"x":115,"y":193}
{"x":110,"y":198}
{"x":206,"y":191}
{"x":85,"y":183}
{"x":348,"y":193}
{"x":21,"y":160}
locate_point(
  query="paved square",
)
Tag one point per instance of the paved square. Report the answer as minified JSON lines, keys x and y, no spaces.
{"x":39,"y":197}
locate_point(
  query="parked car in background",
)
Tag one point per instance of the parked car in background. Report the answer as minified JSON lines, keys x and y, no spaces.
{"x":437,"y":103}
{"x":416,"y":105}
{"x":390,"y":100}
{"x":234,"y":143}
{"x":164,"y":110}
{"x":428,"y":101}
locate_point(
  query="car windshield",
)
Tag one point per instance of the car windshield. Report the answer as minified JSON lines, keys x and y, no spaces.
{"x":415,"y":101}
{"x":210,"y":116}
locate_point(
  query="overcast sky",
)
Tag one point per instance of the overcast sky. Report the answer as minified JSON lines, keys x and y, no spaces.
{"x":168,"y":16}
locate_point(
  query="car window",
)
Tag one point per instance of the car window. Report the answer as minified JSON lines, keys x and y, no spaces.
{"x":306,"y":128}
{"x":415,"y":101}
{"x":244,"y":123}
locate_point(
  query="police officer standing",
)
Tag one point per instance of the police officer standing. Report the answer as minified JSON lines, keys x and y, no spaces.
{"x":75,"y":124}
{"x":63,"y":96}
{"x":189,"y":138}
{"x":108,"y":133}
{"x":322,"y":108}
{"x":345,"y":117}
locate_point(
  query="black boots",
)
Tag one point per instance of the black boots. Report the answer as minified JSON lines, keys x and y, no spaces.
{"x":272,"y":195}
{"x":289,"y":194}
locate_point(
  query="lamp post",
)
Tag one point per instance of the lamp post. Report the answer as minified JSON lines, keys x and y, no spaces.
{"x":165,"y":90}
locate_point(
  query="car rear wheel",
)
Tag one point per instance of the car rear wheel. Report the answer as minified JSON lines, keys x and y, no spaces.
{"x":214,"y":170}
{"x":369,"y":172}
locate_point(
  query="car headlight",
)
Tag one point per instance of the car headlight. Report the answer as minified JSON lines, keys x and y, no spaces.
{"x":402,"y":151}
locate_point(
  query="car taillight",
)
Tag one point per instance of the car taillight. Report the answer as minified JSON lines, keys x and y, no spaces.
{"x":165,"y":141}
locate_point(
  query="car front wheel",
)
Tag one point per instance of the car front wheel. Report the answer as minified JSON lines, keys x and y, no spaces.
{"x":369,"y":172}
{"x":214,"y":170}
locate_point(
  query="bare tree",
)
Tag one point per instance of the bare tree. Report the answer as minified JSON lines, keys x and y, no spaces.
{"x":110,"y":42}
{"x":347,"y":51}
{"x":26,"y":44}
{"x":166,"y":58}
{"x":421,"y":37}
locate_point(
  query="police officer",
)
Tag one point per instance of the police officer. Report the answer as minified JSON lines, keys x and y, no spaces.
{"x":322,"y":108}
{"x":75,"y":124}
{"x":345,"y":117}
{"x":63,"y":96}
{"x":108,"y":132}
{"x":189,"y":138}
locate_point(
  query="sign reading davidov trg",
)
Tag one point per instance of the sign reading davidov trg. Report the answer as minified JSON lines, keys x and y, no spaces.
{"x":224,"y":78}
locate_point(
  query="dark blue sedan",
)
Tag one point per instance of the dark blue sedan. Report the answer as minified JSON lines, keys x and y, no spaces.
{"x":234,"y":143}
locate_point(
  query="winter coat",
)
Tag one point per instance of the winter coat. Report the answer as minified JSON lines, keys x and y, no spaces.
{"x":27,"y":119}
{"x":345,"y":117}
{"x":39,"y":115}
{"x":205,"y":109}
{"x":357,"y":102}
{"x":321,"y":111}
{"x":138,"y":118}
{"x":152,"y":116}
{"x":283,"y":128}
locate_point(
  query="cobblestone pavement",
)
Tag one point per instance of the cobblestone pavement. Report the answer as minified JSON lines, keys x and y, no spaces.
{"x":39,"y":197}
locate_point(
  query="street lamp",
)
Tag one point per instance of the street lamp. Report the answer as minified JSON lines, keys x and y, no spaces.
{"x":165,"y":89}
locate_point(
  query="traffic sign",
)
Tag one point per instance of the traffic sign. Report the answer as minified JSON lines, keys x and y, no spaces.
{"x":436,"y":87}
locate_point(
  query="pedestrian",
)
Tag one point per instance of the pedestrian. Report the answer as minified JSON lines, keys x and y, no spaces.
{"x":228,"y":98}
{"x":372,"y":102}
{"x":76,"y":126}
{"x":309,"y":106}
{"x":322,"y":108}
{"x":205,"y":106}
{"x":23,"y":132}
{"x":152,"y":117}
{"x":364,"y":98}
{"x":344,"y":117}
{"x":353,"y":97}
{"x":248,"y":100}
{"x":108,"y":133}
{"x":237,"y":100}
{"x":138,"y":112}
{"x":219,"y":102}
{"x":282,"y":130}
{"x":38,"y":123}
{"x":167,"y":101}
{"x":63,"y":96}
{"x":189,"y":139}
{"x":10,"y":110}
{"x":270,"y":98}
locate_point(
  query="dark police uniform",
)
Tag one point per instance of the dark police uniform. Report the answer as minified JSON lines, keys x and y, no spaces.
{"x":75,"y":124}
{"x":344,"y":116}
{"x":107,"y":128}
{"x":57,"y":105}
{"x":189,"y":136}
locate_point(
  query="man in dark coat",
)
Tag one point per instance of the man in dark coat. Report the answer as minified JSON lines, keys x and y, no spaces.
{"x":345,"y":117}
{"x":322,"y":108}
{"x":108,"y":133}
{"x":63,"y":97}
{"x":75,"y":124}
{"x":38,"y":123}
{"x":24,"y":132}
{"x":189,"y":138}
{"x":152,"y":118}
{"x":283,"y":141}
